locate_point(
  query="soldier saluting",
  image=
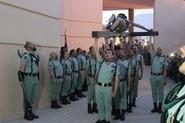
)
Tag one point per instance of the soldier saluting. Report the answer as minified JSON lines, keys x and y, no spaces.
{"x":107,"y":73}
{"x":158,"y":78}
{"x":28,"y":75}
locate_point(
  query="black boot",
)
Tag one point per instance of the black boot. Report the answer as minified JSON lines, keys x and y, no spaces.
{"x":122,"y":117}
{"x":67,"y":101}
{"x":134,"y":102}
{"x":160,"y":108}
{"x":72,"y":98}
{"x":130,"y":108}
{"x":79,"y":94}
{"x":27,"y":115}
{"x":94,"y":109}
{"x":113,"y":110}
{"x":55,"y":105}
{"x":117,"y":114}
{"x":75,"y":98}
{"x":34,"y":115}
{"x":155,"y":108}
{"x":89,"y":109}
{"x":100,"y":121}
{"x":63,"y":100}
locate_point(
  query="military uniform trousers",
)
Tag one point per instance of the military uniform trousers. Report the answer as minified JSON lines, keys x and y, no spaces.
{"x":91,"y":90}
{"x":81,"y":80}
{"x":136,"y":84}
{"x":55,"y":89}
{"x":66,"y":85}
{"x":157,"y":87}
{"x":74,"y":82}
{"x":121,"y":97}
{"x":130,"y":93}
{"x":104,"y":102}
{"x":30,"y":89}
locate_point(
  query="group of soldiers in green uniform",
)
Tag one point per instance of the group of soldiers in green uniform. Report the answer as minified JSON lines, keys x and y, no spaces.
{"x":117,"y":80}
{"x":118,"y":71}
{"x":112,"y":79}
{"x":66,"y":74}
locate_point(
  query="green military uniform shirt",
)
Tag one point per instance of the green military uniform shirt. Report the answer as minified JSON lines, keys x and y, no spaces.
{"x":81,"y":61}
{"x":67,"y":67}
{"x":56,"y":67}
{"x":29,"y":60}
{"x":74,"y":64}
{"x":107,"y":72}
{"x":158,"y":63}
{"x":132,"y":66}
{"x":91,"y":65}
{"x":123,"y":67}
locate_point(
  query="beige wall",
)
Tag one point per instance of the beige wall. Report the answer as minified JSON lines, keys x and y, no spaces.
{"x":37,"y":21}
{"x":170,"y":22}
{"x":46,"y":8}
{"x":80,"y":18}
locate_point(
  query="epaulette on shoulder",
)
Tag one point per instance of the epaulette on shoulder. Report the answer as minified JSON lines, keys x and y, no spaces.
{"x":25,"y":54}
{"x":114,"y":65}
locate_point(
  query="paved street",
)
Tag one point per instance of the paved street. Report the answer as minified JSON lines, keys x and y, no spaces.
{"x":77,"y":111}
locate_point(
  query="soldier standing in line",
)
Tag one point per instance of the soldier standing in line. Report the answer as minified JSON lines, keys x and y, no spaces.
{"x":90,"y":75}
{"x":67,"y":77}
{"x":56,"y":75}
{"x":158,"y":78}
{"x":121,"y":97}
{"x":74,"y":65}
{"x":77,"y":70}
{"x":28,"y":75}
{"x":107,"y":73}
{"x":81,"y":78}
{"x":132,"y":64}
{"x":138,"y":74}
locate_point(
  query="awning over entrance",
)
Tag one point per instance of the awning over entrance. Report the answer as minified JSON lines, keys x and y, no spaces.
{"x":125,"y":4}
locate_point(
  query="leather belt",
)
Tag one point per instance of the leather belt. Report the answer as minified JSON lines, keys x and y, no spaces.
{"x":122,"y":80}
{"x":31,"y":74}
{"x":75,"y":71}
{"x":157,"y":74}
{"x":68,"y":74}
{"x":90,"y":75}
{"x":58,"y":77}
{"x":104,"y":84}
